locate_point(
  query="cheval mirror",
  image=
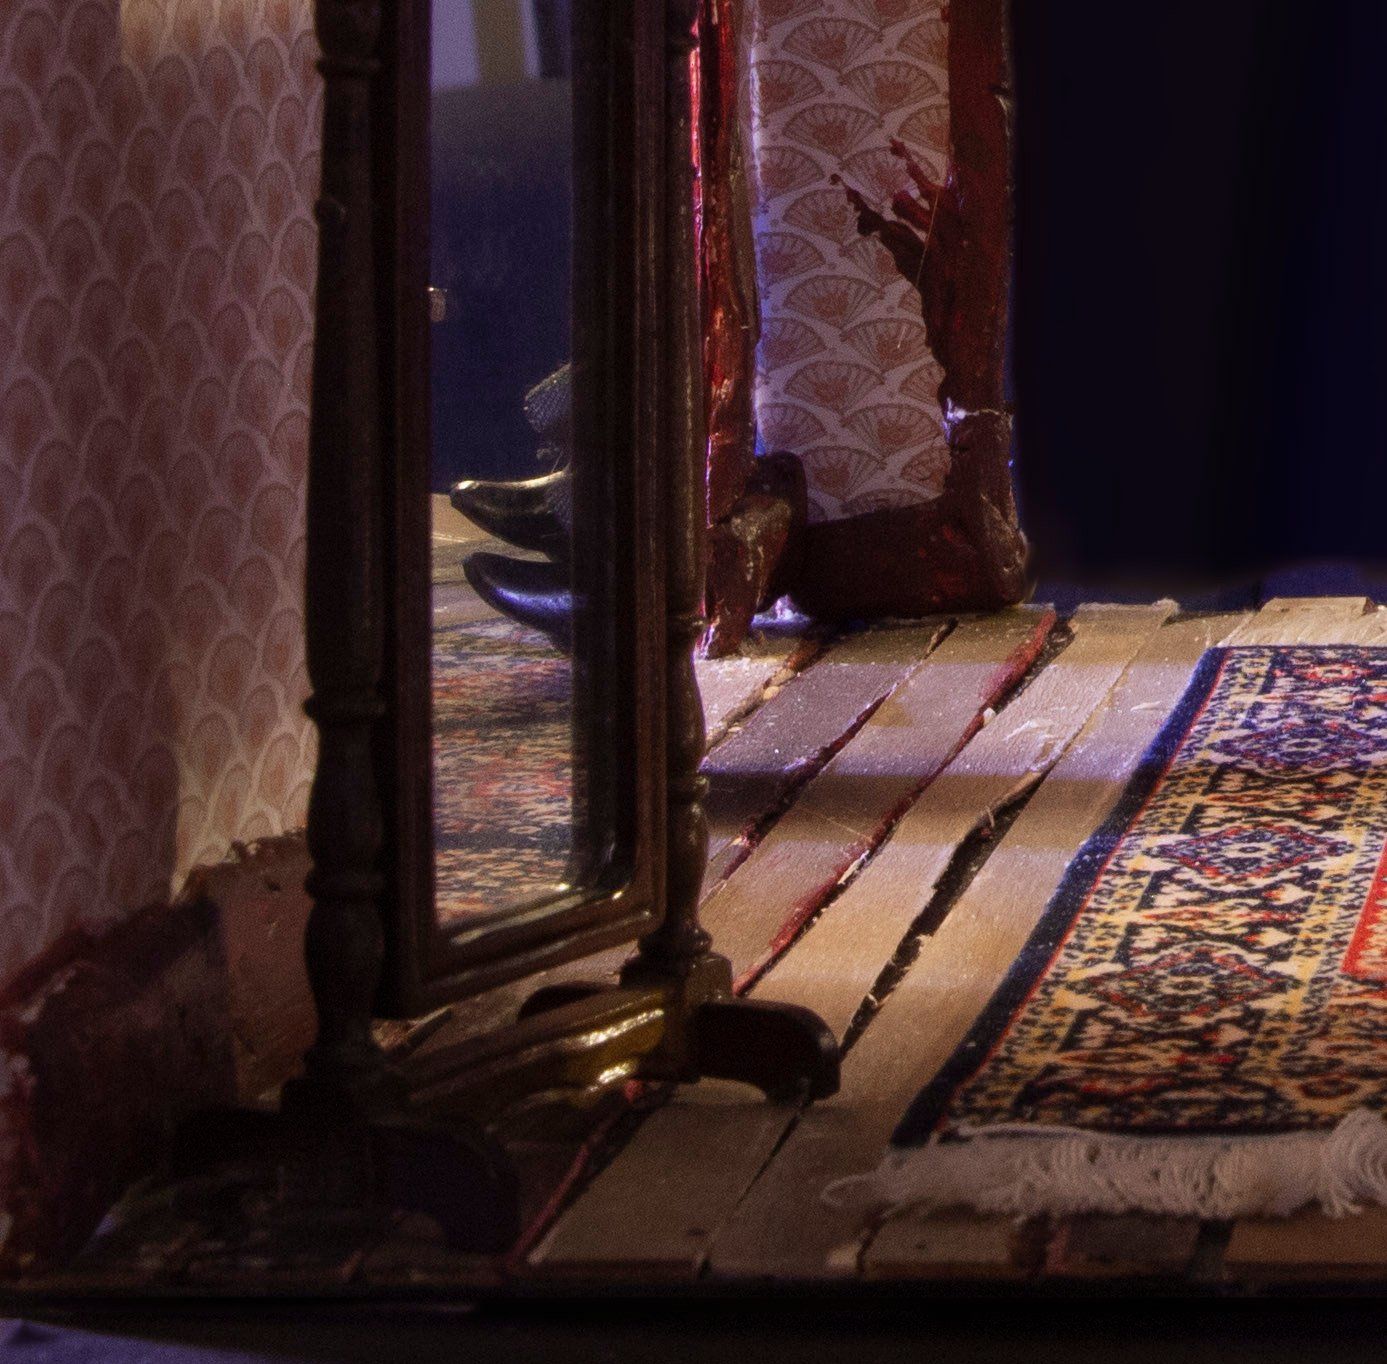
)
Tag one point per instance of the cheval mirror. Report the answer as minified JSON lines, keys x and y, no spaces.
{"x":452,"y":345}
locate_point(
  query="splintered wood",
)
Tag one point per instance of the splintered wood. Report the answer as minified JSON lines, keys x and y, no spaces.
{"x":856,"y":872}
{"x":752,"y":772}
{"x":730,"y":687}
{"x":956,"y":971}
{"x":843,"y":811}
{"x":836,"y":981}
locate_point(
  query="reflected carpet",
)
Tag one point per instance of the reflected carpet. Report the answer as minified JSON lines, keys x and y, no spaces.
{"x":502,"y":781}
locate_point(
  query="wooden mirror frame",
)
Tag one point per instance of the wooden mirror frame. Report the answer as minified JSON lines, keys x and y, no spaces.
{"x":628,"y":405}
{"x":370,"y":821}
{"x":672,"y":1017}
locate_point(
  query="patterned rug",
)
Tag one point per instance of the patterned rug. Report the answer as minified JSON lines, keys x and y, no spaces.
{"x":502,"y":766}
{"x":1198,"y":1025}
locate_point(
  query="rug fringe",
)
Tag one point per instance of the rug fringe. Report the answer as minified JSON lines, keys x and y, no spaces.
{"x":1029,"y":1170}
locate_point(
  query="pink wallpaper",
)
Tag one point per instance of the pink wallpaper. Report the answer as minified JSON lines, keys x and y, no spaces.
{"x":846,"y":381}
{"x":158,"y":162}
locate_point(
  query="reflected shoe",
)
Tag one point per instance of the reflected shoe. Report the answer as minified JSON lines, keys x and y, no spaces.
{"x":549,"y":407}
{"x":533,"y":593}
{"x":529,"y":513}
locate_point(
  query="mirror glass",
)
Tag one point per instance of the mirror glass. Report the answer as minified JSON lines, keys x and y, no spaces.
{"x":502,"y":456}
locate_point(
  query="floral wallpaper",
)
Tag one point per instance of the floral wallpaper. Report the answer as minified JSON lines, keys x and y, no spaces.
{"x":846,"y":379}
{"x":158,"y":163}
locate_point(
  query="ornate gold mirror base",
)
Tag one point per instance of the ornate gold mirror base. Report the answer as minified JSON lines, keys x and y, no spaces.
{"x":575,"y":1043}
{"x":356,"y":1131}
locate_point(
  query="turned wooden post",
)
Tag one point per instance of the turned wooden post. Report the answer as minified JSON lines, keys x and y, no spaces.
{"x":680,"y":941}
{"x":344,"y":591}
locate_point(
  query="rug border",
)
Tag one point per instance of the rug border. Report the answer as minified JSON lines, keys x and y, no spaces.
{"x":917,"y":1125}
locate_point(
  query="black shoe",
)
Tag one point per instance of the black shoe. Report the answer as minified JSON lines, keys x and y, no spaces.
{"x":534,"y":593}
{"x":530,"y":513}
{"x":549,"y":407}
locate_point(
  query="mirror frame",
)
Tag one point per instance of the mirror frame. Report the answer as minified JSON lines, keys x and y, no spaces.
{"x":673,"y":1016}
{"x":624,"y":284}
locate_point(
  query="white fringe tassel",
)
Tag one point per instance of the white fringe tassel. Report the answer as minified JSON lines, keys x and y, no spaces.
{"x":1027,"y":1170}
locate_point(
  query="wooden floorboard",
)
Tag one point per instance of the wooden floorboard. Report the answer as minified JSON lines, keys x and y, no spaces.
{"x":731,"y":688}
{"x":653,"y":1212}
{"x":1314,"y":620}
{"x":753,"y":771}
{"x":844,"y":810}
{"x":1309,"y":1245}
{"x":950,"y":1245}
{"x":834,"y":965}
{"x":665,"y":1223}
{"x":1092,"y":1247}
{"x":836,"y":962}
{"x":783,"y":1228}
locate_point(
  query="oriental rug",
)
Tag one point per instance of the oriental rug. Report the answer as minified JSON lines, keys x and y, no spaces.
{"x":502,"y":782}
{"x":1198,"y":1025}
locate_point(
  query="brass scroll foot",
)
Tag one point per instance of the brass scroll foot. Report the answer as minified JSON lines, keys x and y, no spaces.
{"x":785,"y":1051}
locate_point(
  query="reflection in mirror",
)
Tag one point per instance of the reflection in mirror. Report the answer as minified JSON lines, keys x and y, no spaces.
{"x":501,"y":460}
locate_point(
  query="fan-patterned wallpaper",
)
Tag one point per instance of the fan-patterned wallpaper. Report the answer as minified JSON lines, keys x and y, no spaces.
{"x":158,"y":162}
{"x":846,"y":379}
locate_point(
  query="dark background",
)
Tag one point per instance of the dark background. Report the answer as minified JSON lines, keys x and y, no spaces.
{"x":500,"y":241}
{"x":1199,"y":319}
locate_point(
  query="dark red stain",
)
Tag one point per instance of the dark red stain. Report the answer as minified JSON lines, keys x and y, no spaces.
{"x":727,"y":279}
{"x":965,"y":550}
{"x":756,"y":509}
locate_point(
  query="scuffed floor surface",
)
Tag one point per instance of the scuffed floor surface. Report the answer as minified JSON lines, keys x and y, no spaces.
{"x":890,"y":811}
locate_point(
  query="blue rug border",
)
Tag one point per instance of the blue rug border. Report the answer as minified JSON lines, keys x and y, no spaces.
{"x":917,"y":1125}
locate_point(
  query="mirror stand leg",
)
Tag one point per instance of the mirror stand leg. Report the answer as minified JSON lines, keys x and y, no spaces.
{"x":344,"y":1142}
{"x":785,"y":1051}
{"x":347,"y":1140}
